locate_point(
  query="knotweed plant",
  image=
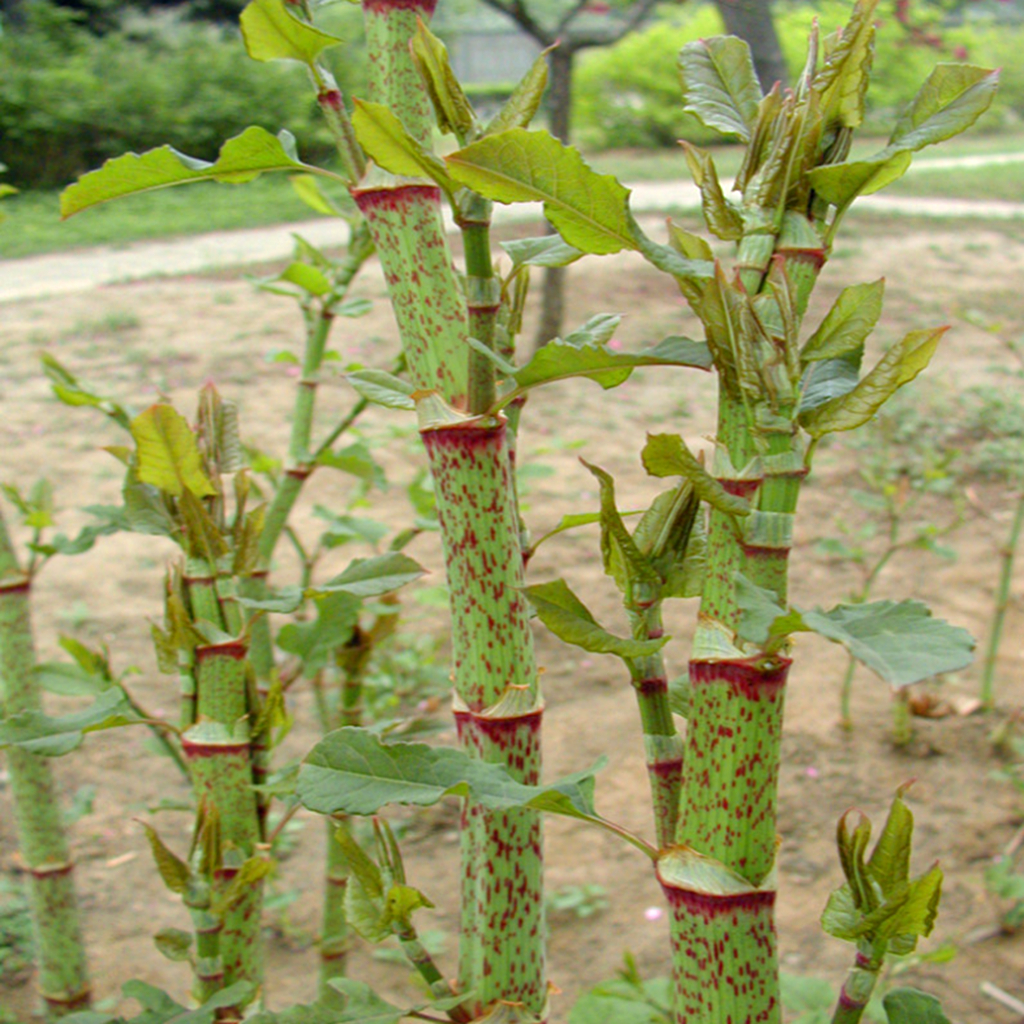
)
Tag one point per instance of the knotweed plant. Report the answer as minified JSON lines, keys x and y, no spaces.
{"x":722,"y":531}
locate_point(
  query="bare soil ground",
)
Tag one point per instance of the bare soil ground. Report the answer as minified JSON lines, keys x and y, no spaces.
{"x":167,"y":337}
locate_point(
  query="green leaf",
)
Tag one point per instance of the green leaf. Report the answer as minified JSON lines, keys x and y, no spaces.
{"x":70,"y":680}
{"x":901,"y":641}
{"x":620,"y":1002}
{"x":889,"y":863}
{"x":723,"y":219}
{"x":363,"y":1005}
{"x":241,"y":159}
{"x":371,"y":577}
{"x":546,"y":251}
{"x":51,"y":737}
{"x":453,"y":110}
{"x":71,"y":391}
{"x":952,"y":98}
{"x":621,"y":557}
{"x":308,"y":278}
{"x":911,"y":1006}
{"x":383,"y":388}
{"x":847,"y":324}
{"x":525,"y":101}
{"x":841,"y":183}
{"x":173,"y":870}
{"x":174,"y":944}
{"x":168,"y":456}
{"x":562,"y":359}
{"x":314,"y":642}
{"x":351,"y":771}
{"x":308,"y":190}
{"x":720,"y":85}
{"x":900,"y":365}
{"x":917,"y":910}
{"x":271,"y":32}
{"x":570,"y":620}
{"x":842,"y":81}
{"x":343,"y":528}
{"x":386,"y":140}
{"x":761,"y":617}
{"x":589,"y":210}
{"x":671,"y":534}
{"x":829,"y":379}
{"x":668,"y":455}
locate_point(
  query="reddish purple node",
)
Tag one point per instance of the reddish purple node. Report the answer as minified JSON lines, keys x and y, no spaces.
{"x":398,"y":199}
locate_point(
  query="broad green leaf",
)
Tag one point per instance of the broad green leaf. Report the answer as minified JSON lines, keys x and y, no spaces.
{"x":671,"y":534}
{"x":829,"y":379}
{"x":570,"y":620}
{"x":352,"y":771}
{"x":720,"y":85}
{"x":525,"y":101}
{"x":70,"y":680}
{"x":453,"y":110}
{"x":723,"y":219}
{"x":314,"y":642}
{"x":918,"y":909}
{"x":308,"y":190}
{"x":840,"y":184}
{"x":364,"y":911}
{"x":272,"y":32}
{"x":841,"y":915}
{"x":174,"y":944}
{"x":173,"y":870}
{"x":900,"y":365}
{"x":589,"y":210}
{"x":343,"y":528}
{"x":51,"y":737}
{"x":847,"y":324}
{"x":168,"y":456}
{"x":383,"y":388}
{"x":620,"y":1002}
{"x":952,"y":98}
{"x":386,"y":140}
{"x":901,"y":641}
{"x":842,"y":81}
{"x":890,"y":860}
{"x":561,"y":359}
{"x":371,"y":577}
{"x":621,"y":557}
{"x":241,"y":159}
{"x":357,"y":460}
{"x":668,"y":455}
{"x":546,"y":251}
{"x":308,"y":278}
{"x":911,"y":1006}
{"x":761,"y":618}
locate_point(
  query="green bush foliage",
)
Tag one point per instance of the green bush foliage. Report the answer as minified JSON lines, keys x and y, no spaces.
{"x":628,"y":95}
{"x":70,"y":99}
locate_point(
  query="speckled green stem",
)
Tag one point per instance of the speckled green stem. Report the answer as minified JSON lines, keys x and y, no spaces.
{"x":63,"y":978}
{"x":394,"y":80}
{"x":223,"y":754}
{"x":728,"y":805}
{"x":498,"y":712}
{"x":663,"y":746}
{"x":405,"y":222}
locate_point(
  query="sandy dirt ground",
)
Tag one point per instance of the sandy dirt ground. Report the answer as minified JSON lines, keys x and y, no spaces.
{"x":166,"y":337}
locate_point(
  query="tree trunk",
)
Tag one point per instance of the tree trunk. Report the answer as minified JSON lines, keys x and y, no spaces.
{"x":752,"y":20}
{"x":552,"y":308}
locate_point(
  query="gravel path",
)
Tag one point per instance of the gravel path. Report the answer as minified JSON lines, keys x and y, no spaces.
{"x":82,"y":269}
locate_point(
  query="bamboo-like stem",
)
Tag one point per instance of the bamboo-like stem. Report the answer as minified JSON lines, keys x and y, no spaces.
{"x":857,"y":989}
{"x":63,"y":978}
{"x":334,"y":931}
{"x":1007,"y":557}
{"x":497,"y":696}
{"x":663,"y":747}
